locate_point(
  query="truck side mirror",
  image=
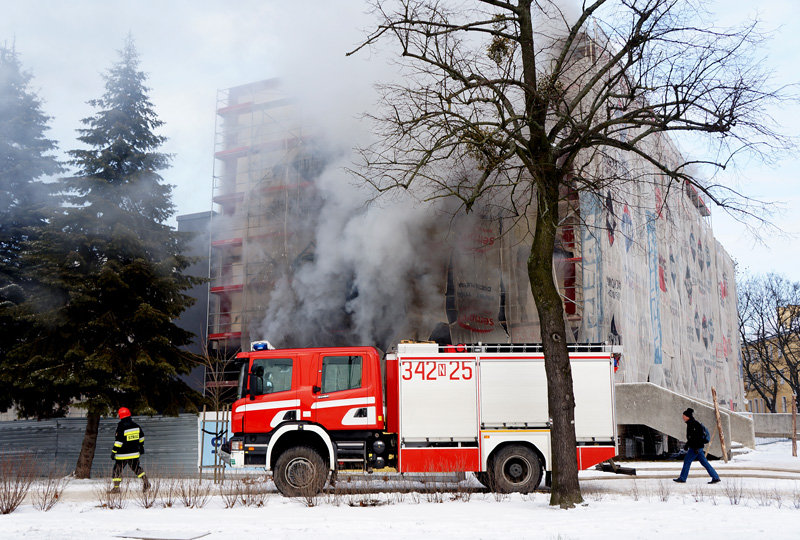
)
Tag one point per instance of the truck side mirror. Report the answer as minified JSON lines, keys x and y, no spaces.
{"x":251,"y":385}
{"x":255,"y":383}
{"x":316,"y":389}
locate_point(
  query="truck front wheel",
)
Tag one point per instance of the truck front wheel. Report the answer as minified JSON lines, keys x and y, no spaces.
{"x":484,"y":478}
{"x":516,"y":468}
{"x":300,"y":472}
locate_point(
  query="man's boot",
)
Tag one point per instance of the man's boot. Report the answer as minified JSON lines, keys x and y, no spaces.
{"x":146,"y":483}
{"x":114,"y":489}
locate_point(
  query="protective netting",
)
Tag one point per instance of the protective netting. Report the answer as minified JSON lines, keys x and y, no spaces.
{"x":644,"y":272}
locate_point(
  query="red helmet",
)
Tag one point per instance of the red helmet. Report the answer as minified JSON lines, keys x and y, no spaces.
{"x":123,"y":412}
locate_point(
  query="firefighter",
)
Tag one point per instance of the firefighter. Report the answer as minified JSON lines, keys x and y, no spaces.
{"x":128,"y":448}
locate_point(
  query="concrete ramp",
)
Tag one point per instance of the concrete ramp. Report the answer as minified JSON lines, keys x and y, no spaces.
{"x":660,"y":409}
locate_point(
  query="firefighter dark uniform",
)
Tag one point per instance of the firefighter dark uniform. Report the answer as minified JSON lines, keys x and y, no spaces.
{"x":128,"y":448}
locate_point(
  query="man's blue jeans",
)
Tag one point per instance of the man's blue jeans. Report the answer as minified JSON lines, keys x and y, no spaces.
{"x":698,"y":454}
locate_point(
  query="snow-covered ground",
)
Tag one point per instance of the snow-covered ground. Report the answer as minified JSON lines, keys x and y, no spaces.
{"x":650,"y":505}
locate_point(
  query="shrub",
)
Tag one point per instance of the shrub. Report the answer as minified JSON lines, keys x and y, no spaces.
{"x":147,"y":498}
{"x":108,"y":499}
{"x":48,"y":492}
{"x":663,"y":491}
{"x":193,"y":494}
{"x":734,"y":491}
{"x":16,"y":477}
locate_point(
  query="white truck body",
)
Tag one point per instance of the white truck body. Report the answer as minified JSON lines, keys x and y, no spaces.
{"x":474,"y":401}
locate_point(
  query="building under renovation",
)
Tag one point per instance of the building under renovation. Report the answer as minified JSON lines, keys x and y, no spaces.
{"x":638,"y":266}
{"x":263,"y":193}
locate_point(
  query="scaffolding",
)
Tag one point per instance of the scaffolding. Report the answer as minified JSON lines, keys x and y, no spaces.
{"x":568,"y":263}
{"x":263,"y":190}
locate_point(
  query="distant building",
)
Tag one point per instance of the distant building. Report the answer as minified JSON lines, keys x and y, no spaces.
{"x":266,"y":163}
{"x":772,"y":359}
{"x":194,"y":318}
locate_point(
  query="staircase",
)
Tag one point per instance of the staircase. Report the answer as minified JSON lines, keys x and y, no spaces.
{"x":660,"y":409}
{"x":738,"y":449}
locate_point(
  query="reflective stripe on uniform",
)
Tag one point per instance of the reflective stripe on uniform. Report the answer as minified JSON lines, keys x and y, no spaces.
{"x":117,"y":443}
{"x":139,"y":476}
{"x":116,"y":479}
{"x":127,"y":456}
{"x":131,"y":434}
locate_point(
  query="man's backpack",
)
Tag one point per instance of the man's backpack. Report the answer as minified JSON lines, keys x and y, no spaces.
{"x":706,"y":435}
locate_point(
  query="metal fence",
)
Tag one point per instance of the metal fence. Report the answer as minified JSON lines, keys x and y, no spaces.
{"x":171,"y":443}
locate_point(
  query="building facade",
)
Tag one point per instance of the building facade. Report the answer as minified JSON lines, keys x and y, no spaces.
{"x":637,"y":263}
{"x":264,"y":198}
{"x":771,"y":355}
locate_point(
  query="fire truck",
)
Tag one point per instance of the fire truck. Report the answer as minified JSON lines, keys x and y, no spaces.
{"x":305,"y":414}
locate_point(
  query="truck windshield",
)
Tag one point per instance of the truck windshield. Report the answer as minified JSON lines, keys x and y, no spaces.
{"x":242,"y":386}
{"x":272,"y":375}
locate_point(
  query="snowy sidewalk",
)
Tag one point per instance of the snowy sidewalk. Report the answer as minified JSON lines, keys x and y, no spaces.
{"x":635,"y":507}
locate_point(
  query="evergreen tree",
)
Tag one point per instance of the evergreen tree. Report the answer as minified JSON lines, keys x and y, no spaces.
{"x":24,"y":160}
{"x":113,"y":272}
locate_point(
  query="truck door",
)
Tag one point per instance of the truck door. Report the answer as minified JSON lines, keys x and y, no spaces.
{"x":274,"y":384}
{"x":439,"y":428}
{"x":344,"y":397}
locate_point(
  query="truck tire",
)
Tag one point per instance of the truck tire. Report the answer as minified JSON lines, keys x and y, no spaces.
{"x":516,"y":469}
{"x":484,"y":478}
{"x":300,"y":472}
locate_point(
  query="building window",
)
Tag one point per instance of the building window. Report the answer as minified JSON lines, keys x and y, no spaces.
{"x":785,"y":409}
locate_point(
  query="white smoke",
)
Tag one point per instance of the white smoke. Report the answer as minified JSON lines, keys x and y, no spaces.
{"x":374,"y":268}
{"x":379,"y":268}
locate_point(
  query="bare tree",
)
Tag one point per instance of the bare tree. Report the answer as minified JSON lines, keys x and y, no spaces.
{"x":509,"y":107}
{"x":769,"y":324}
{"x":219,"y":376}
{"x":219,"y":391}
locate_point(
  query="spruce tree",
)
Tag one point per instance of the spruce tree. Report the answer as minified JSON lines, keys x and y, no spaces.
{"x":25,"y":160}
{"x":113,"y":271}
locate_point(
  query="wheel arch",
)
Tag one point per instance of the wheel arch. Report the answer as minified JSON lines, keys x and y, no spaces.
{"x":290,"y":435}
{"x":527,"y":444}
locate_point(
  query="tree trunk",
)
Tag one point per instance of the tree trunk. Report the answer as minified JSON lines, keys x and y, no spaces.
{"x":565,"y":491}
{"x":794,"y":425}
{"x":84,"y":467}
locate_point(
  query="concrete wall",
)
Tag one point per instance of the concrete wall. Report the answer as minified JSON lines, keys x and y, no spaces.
{"x":773,"y":424}
{"x":660,"y":409}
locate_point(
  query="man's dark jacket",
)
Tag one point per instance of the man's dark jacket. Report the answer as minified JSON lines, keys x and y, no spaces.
{"x":694,"y":435}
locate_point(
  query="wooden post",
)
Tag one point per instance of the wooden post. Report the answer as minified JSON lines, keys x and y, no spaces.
{"x":226,"y":418}
{"x":794,"y":425}
{"x":719,"y":425}
{"x":202,"y":441}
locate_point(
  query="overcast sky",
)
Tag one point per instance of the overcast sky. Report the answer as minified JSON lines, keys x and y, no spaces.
{"x":190,"y":49}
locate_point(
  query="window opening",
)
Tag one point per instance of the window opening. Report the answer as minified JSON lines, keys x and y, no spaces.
{"x":341,"y":373}
{"x":272,"y":375}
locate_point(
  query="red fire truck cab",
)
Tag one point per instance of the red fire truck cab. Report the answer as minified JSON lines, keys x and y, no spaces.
{"x":304,"y":413}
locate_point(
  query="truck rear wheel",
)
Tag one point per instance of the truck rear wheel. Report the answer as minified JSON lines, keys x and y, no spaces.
{"x":516,"y":468}
{"x":300,"y":472}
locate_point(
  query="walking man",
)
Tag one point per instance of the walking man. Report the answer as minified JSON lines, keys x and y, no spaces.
{"x":128,"y":448}
{"x":696,"y":439}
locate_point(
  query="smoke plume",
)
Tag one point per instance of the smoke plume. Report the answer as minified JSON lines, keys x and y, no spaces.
{"x":375,"y":271}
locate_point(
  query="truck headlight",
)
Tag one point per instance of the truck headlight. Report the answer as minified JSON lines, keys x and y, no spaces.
{"x":237,"y":445}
